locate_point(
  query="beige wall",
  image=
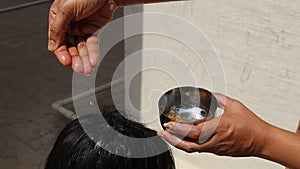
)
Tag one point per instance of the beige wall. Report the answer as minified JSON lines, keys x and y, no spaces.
{"x":258,"y":47}
{"x":258,"y":43}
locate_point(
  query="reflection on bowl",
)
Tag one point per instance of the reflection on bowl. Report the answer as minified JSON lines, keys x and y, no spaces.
{"x":187,"y":105}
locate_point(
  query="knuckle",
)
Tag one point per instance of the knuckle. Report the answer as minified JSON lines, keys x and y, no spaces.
{"x":65,"y":10}
{"x":53,"y":30}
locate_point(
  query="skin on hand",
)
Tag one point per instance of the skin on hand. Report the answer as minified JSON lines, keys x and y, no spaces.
{"x":238,"y":132}
{"x":72,"y":31}
{"x":72,"y":24}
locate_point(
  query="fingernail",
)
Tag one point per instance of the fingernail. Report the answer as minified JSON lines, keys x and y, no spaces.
{"x":167,"y":125}
{"x":93,"y":61}
{"x":90,"y":73}
{"x":63,"y":58}
{"x":51,"y":45}
{"x":77,"y":68}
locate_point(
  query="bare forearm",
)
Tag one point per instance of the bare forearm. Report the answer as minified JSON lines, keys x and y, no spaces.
{"x":133,"y":2}
{"x":283,"y":147}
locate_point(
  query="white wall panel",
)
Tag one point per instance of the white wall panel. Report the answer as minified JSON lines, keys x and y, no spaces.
{"x":258,"y":44}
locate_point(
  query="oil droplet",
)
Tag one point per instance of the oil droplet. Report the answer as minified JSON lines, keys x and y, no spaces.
{"x":91,"y":103}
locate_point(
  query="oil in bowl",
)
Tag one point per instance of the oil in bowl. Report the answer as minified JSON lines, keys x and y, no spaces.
{"x":187,"y":105}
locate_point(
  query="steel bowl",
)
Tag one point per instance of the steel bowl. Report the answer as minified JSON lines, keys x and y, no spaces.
{"x":187,"y":105}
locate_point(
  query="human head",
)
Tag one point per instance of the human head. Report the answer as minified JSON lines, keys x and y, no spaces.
{"x":74,"y":149}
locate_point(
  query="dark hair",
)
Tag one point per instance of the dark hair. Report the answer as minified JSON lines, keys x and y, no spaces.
{"x":74,"y":149}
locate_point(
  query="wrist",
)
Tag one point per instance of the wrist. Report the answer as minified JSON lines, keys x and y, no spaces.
{"x":274,"y":143}
{"x":281,"y":146}
{"x":262,"y":141}
{"x":260,"y":134}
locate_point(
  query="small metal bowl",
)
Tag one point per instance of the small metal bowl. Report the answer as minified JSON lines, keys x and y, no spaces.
{"x":187,"y":105}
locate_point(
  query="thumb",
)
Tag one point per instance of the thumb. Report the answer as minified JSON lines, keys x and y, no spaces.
{"x":58,"y":28}
{"x":221,"y":99}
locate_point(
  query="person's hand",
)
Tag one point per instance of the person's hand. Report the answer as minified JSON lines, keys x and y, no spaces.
{"x":238,"y":132}
{"x":72,"y":24}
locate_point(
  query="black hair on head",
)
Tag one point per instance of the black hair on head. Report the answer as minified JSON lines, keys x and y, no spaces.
{"x":74,"y":149}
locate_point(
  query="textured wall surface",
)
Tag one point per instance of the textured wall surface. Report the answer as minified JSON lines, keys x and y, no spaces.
{"x":258,"y":45}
